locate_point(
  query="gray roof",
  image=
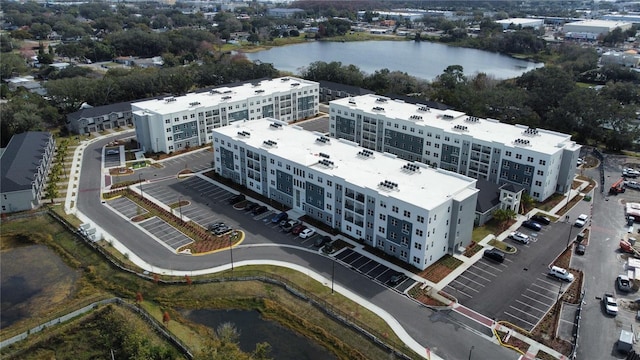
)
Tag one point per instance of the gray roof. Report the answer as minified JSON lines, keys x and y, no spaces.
{"x":488,"y":196}
{"x":100,"y":111}
{"x":20,"y":160}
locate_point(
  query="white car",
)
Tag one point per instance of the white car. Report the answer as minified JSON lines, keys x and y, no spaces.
{"x":610,"y":304}
{"x":519,"y":237}
{"x":582,"y":220}
{"x":632,"y":184}
{"x":629,"y":172}
{"x":307,"y":233}
{"x":561,"y":273}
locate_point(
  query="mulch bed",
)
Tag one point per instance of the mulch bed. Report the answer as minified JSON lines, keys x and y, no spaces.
{"x":440,"y":269}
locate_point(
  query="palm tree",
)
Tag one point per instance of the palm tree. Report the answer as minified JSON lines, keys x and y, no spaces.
{"x":503,"y":216}
{"x":526,"y":203}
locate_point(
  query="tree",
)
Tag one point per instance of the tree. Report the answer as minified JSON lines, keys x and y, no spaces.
{"x":51,"y":191}
{"x":139,"y":298}
{"x":166,"y":318}
{"x":526,"y":202}
{"x":503,"y":216}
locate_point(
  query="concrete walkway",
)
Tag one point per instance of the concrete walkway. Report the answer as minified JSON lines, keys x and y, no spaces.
{"x":534,"y":347}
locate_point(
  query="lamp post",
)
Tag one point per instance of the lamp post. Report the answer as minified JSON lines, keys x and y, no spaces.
{"x":180,"y":206}
{"x":470,"y":351}
{"x":140,"y":181}
{"x":333,"y":272}
{"x":232,"y":238}
{"x":570,"y":230}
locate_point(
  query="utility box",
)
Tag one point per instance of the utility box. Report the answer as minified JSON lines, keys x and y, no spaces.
{"x":625,"y":342}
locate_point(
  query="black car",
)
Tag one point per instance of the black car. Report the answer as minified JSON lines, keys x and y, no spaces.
{"x":530,"y":224}
{"x":236,"y":199}
{"x":397,"y":279}
{"x":580,"y":249}
{"x":494,"y":254}
{"x":541,"y":219}
{"x":250,"y":206}
{"x":259,"y":210}
{"x":322,"y":240}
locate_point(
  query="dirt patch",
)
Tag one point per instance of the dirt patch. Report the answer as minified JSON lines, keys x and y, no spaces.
{"x":440,"y":269}
{"x":472,"y":249}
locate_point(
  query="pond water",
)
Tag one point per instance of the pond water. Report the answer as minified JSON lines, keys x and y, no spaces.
{"x":424,"y":60}
{"x":33,"y":280}
{"x":285,"y":344}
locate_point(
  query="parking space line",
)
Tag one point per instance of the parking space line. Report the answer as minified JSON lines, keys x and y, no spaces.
{"x":531,"y":307}
{"x":544,"y":296}
{"x":523,"y":312}
{"x":471,"y":280}
{"x":465,"y":285}
{"x":519,"y":319}
{"x":375,"y":267}
{"x":538,"y":301}
{"x":459,"y":291}
{"x":551,"y":291}
{"x":476,"y":276}
{"x":493,"y":267}
{"x":483,"y":270}
{"x":546,"y":281}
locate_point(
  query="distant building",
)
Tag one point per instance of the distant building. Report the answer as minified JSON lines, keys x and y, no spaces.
{"x":284,"y":12}
{"x":410,"y":211}
{"x":330,"y":90}
{"x":629,"y":58}
{"x":521,"y":22}
{"x":175,"y":123}
{"x":24,"y":165}
{"x":27,"y":82}
{"x":579,"y":29}
{"x":631,"y":18}
{"x":93,"y":119}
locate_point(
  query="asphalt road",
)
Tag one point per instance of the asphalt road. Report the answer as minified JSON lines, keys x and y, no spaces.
{"x":443,"y":332}
{"x":601,"y":264}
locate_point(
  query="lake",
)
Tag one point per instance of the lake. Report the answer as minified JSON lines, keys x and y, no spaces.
{"x":424,"y":60}
{"x":285,"y":344}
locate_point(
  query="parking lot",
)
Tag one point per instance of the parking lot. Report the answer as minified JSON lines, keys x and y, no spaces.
{"x":113,"y":157}
{"x":373,"y":269}
{"x":518,"y":290}
{"x":126,"y":207}
{"x":192,"y":160}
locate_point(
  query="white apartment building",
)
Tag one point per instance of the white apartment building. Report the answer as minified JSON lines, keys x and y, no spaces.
{"x":174,"y":123}
{"x":542,"y":161}
{"x":409,"y":210}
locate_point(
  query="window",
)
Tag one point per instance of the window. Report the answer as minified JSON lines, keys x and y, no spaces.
{"x":507,"y":153}
{"x":394,"y":209}
{"x":420,"y":219}
{"x":540,"y":172}
{"x":543,"y":162}
{"x":328,"y":207}
{"x":437,"y":136}
{"x":416,"y":259}
{"x":518,"y":156}
{"x":383,"y":217}
{"x":329,"y":183}
{"x":272,"y":161}
{"x":417,"y":246}
{"x":419,"y":232}
{"x":529,"y":159}
{"x":381,"y":229}
{"x":393,"y":236}
{"x":538,"y":183}
{"x":288,"y":167}
{"x":394,"y":222}
{"x":403,"y":254}
{"x":446,"y":138}
{"x":536,"y":194}
{"x":407,"y":213}
{"x":167,"y":121}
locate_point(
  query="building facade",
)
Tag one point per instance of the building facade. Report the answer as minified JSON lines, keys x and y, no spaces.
{"x":409,"y":210}
{"x":94,"y":119}
{"x":175,"y":123}
{"x":24,"y":165}
{"x":542,"y":161}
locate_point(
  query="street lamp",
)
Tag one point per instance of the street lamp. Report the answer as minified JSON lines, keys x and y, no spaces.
{"x":140,"y":181}
{"x":232,"y":238}
{"x":180,"y":206}
{"x":471,"y":350}
{"x":333,"y":272}
{"x":570,"y":230}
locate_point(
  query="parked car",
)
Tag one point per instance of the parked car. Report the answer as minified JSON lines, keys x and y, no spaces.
{"x":249,"y":206}
{"x":519,"y":237}
{"x":530,"y":224}
{"x":630,"y":173}
{"x":236,"y":199}
{"x":610,"y":304}
{"x":113,"y":152}
{"x":542,"y":220}
{"x":328,"y":248}
{"x":632,"y":184}
{"x":215,"y":226}
{"x":494,"y":254}
{"x":630,"y":220}
{"x":623,"y":283}
{"x":298,"y":229}
{"x":580,"y":249}
{"x":259,"y":210}
{"x":222,"y":230}
{"x":580,"y":161}
{"x":561,"y":273}
{"x":582,"y":220}
{"x":277,"y":218}
{"x":289,"y":225}
{"x":307,"y":233}
{"x":321,"y":241}
{"x":397,"y":279}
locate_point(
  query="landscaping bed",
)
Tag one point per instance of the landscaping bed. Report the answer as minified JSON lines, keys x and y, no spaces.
{"x":440,"y":269}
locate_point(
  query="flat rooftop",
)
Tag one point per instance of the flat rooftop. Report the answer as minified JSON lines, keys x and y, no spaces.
{"x":600,"y":23}
{"x":488,"y":130}
{"x":412,"y":182}
{"x":172,"y":104}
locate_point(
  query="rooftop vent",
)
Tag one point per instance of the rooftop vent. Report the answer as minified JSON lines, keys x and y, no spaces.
{"x":195,"y":103}
{"x":170,"y":99}
{"x":447,"y":117}
{"x":226,"y":97}
{"x":227,"y":91}
{"x":411,"y":168}
{"x":378,"y":108}
{"x":323,"y":140}
{"x":327,"y":163}
{"x":269,"y":143}
{"x":295,"y":84}
{"x":460,"y":128}
{"x":365,"y":153}
{"x":388,"y":185}
{"x":472,"y":119}
{"x":381,"y":99}
{"x":259,"y":91}
{"x":214,"y":92}
{"x":326,"y":156}
{"x":522,"y":142}
{"x":415,"y":117}
{"x":284,"y":79}
{"x":531,"y":132}
{"x":424,"y":108}
{"x":244,"y":133}
{"x":255,"y":84}
{"x":275,"y":125}
{"x":352,"y":102}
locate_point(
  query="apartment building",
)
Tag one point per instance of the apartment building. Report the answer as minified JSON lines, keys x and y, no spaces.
{"x":409,"y":210}
{"x":175,"y":123}
{"x":541,"y":161}
{"x":24,"y":166}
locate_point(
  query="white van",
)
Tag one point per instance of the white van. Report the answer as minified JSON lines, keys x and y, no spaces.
{"x":560,"y":273}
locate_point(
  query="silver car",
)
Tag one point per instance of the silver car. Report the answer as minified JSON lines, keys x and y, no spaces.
{"x":519,"y":237}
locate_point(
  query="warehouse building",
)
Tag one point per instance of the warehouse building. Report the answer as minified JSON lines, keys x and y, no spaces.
{"x":409,"y":210}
